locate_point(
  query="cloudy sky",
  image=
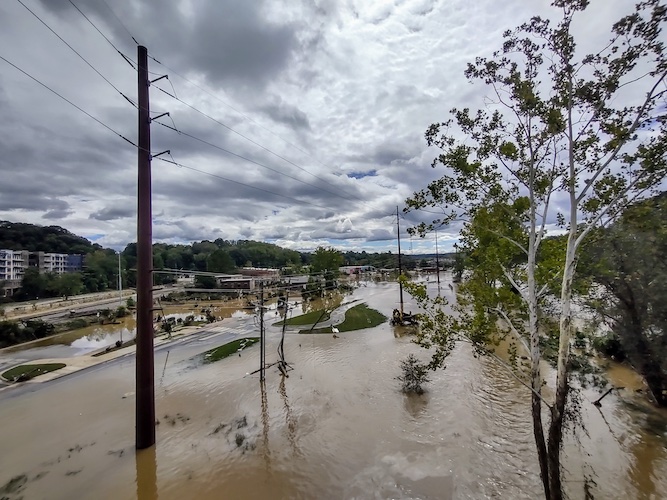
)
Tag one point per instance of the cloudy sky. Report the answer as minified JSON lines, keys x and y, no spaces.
{"x":328,"y":99}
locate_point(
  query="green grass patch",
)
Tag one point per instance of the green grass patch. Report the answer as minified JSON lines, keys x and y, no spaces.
{"x":228,"y":349}
{"x":26,"y":372}
{"x":356,"y":318}
{"x":75,"y":324}
{"x":306,"y":319}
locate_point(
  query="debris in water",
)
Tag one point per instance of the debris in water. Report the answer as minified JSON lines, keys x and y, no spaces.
{"x":14,"y":485}
{"x":40,"y":475}
{"x":241,"y":422}
{"x":72,"y":472}
{"x":178,"y":417}
{"x":219,"y":428}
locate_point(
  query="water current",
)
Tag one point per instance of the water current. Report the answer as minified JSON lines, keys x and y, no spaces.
{"x":337,"y":428}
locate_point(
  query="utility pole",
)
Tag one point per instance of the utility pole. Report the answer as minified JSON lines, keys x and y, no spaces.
{"x":145,"y":388}
{"x":120,"y":284}
{"x":262,"y":347}
{"x":120,"y":295}
{"x":437,"y":259}
{"x":400,"y":269}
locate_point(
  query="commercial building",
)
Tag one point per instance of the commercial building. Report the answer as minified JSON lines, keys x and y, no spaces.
{"x":235,"y":282}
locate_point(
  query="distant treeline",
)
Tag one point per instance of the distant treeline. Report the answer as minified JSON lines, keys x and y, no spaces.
{"x":100,"y":270}
{"x":52,"y":239}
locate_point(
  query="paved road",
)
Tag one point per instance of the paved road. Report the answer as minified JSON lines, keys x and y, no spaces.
{"x":56,"y":308}
{"x":207,"y":337}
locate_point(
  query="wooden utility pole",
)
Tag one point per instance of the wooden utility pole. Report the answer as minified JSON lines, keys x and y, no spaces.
{"x":145,"y":388}
{"x":400,"y":268}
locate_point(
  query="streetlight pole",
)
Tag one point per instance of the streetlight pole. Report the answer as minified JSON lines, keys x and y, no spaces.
{"x":120,"y":284}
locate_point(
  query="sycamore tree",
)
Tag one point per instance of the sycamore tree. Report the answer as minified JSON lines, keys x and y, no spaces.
{"x":566,"y":137}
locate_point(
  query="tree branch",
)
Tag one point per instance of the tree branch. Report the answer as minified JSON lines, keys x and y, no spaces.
{"x":514,"y":331}
{"x":509,"y":368}
{"x":614,"y":153}
{"x":511,"y":240}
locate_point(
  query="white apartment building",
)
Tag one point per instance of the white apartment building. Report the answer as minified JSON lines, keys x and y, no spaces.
{"x":13,"y":264}
{"x":54,"y":263}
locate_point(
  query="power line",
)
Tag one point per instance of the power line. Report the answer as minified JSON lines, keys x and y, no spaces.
{"x":204,"y":141}
{"x":68,"y":101}
{"x":159,"y":158}
{"x":255,"y":143}
{"x":121,"y":22}
{"x":127,"y":59}
{"x":134,"y":65}
{"x":77,"y":53}
{"x":215,"y":120}
{"x":240,"y":113}
{"x":238,"y":182}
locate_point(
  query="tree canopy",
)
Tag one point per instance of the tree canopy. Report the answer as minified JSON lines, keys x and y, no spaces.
{"x":53,"y":239}
{"x":326,"y":259}
{"x":566,"y":138}
{"x":629,"y":262}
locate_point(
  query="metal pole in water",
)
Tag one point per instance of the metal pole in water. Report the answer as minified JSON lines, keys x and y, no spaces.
{"x":262,"y":347}
{"x":120,"y":284}
{"x":400,"y":269}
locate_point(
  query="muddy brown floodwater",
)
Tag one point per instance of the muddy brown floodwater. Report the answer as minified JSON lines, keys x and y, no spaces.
{"x":93,"y":337}
{"x":337,"y":428}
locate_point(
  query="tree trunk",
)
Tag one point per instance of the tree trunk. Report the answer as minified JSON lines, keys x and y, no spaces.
{"x":538,"y":432}
{"x":555,"y":441}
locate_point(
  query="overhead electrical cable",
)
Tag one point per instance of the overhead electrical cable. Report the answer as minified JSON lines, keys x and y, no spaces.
{"x":250,"y":160}
{"x":127,"y":59}
{"x":121,"y":22}
{"x":157,"y":158}
{"x":78,"y":54}
{"x":256,"y":143}
{"x":217,"y":176}
{"x":68,"y":101}
{"x":134,"y":65}
{"x":250,"y":119}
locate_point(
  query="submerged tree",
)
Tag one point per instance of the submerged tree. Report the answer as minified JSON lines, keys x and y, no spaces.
{"x":567,"y":137}
{"x":414,"y":375}
{"x":629,"y":262}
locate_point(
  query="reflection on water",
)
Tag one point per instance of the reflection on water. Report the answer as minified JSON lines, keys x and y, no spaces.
{"x":290,"y":421}
{"x":98,"y":336}
{"x":265,"y":425}
{"x":415,"y":404}
{"x":338,"y":427}
{"x":146,"y":474}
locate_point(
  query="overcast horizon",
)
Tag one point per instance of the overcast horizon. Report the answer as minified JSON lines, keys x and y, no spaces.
{"x":329,"y":100}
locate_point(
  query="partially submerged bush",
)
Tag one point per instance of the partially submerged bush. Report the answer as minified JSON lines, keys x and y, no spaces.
{"x":610,"y":346}
{"x":415,"y":375}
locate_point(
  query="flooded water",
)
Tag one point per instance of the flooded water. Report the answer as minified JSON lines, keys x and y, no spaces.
{"x":337,"y":428}
{"x":94,"y":337}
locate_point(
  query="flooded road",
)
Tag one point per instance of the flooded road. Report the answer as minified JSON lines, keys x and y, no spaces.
{"x":98,"y":336}
{"x":338,"y":428}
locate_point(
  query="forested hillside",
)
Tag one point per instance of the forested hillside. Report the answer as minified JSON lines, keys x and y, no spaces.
{"x":22,"y":236}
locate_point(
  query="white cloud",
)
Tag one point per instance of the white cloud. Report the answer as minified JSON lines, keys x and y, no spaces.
{"x":333,"y":87}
